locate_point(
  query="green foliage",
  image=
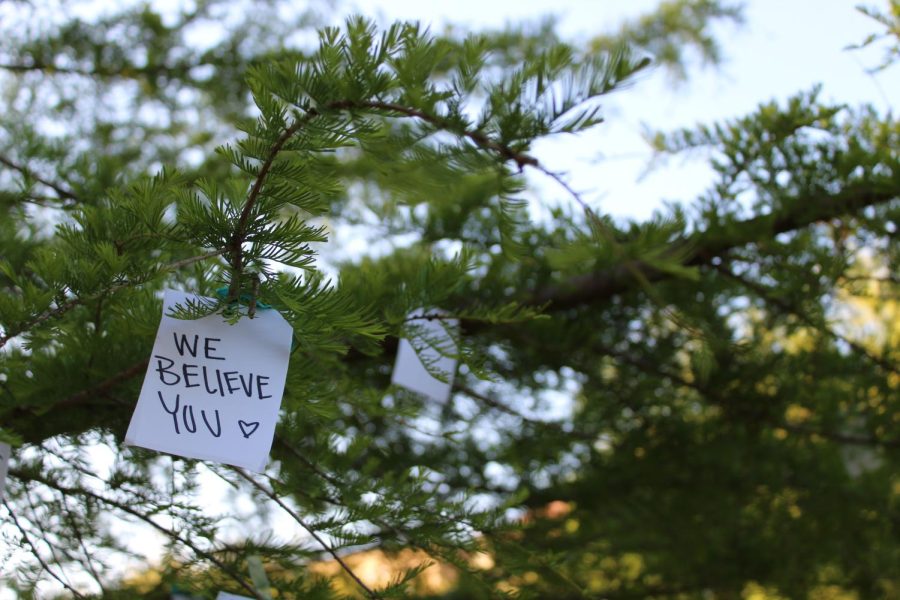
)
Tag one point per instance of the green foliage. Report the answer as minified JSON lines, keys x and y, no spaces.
{"x":676,"y":407}
{"x":888,"y":19}
{"x":675,"y":27}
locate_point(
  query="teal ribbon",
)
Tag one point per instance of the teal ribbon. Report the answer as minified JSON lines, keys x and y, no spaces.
{"x":222,"y":293}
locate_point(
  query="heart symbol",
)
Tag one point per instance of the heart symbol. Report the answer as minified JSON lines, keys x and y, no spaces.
{"x":247,"y":428}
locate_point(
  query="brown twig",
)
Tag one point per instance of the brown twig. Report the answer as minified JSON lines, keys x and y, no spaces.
{"x":480,"y":139}
{"x":104,"y":386}
{"x":235,"y":245}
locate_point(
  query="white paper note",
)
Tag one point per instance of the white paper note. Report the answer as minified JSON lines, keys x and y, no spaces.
{"x":227,"y":596}
{"x":213,"y":390}
{"x":5,"y":453}
{"x":433,"y":339}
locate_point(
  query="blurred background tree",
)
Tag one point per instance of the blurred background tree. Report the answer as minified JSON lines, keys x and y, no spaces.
{"x":702,"y":404}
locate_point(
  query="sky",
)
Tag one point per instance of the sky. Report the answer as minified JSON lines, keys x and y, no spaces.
{"x":783,"y":47}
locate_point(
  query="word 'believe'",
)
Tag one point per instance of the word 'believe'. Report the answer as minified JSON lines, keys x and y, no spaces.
{"x":214,"y":381}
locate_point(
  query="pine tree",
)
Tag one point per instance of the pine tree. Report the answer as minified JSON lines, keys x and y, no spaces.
{"x":732,"y":429}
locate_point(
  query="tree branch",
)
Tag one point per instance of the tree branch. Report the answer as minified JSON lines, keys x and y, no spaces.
{"x":714,"y":397}
{"x":63,"y":192}
{"x":769,"y":297}
{"x":74,"y":302}
{"x":36,"y":554}
{"x":293,"y":514}
{"x":591,"y":288}
{"x":73,"y":523}
{"x":70,"y":491}
{"x":479,"y":138}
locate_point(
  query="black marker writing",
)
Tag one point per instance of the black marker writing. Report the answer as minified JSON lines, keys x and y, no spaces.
{"x":174,"y":411}
{"x":184,"y":344}
{"x":215,"y":381}
{"x":189,"y":410}
{"x":248,"y":427}
{"x":215,"y":389}
{"x":218,"y":431}
{"x":229,"y":377}
{"x":188,"y":418}
{"x":259,"y":386}
{"x":188,"y":372}
{"x":207,"y":349}
{"x":165,"y":371}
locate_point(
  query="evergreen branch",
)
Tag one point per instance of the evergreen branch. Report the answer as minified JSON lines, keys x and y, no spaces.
{"x":483,"y":141}
{"x":598,"y":286}
{"x":173,"y":535}
{"x":52,"y":70}
{"x":83,"y":397}
{"x":64,"y":192}
{"x":45,"y":535}
{"x":36,"y":553}
{"x":890,"y":278}
{"x":591,"y":288}
{"x":253,"y":196}
{"x":575,"y":195}
{"x":48,"y":314}
{"x":650,"y":368}
{"x":73,"y":523}
{"x":104,"y":386}
{"x":235,"y":247}
{"x":311,"y":466}
{"x":46,"y":202}
{"x":128,"y":72}
{"x":495,"y":404}
{"x":479,"y":138}
{"x":602,"y":228}
{"x":769,"y":297}
{"x":340,"y":502}
{"x":65,"y":307}
{"x":184,"y":262}
{"x":841,"y":438}
{"x":328,"y":548}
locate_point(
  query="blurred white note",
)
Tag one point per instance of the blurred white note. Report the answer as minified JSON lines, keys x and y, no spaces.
{"x":213,"y":390}
{"x":227,"y":596}
{"x":5,"y":453}
{"x":432,"y":335}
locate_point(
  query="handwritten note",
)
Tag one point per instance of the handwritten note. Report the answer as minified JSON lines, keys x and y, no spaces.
{"x":436,"y":348}
{"x":5,"y":453}
{"x":213,"y":390}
